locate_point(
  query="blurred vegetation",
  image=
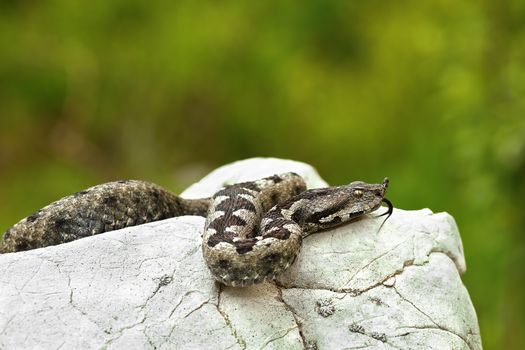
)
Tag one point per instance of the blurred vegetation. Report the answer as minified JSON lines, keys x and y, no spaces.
{"x":429,"y":93}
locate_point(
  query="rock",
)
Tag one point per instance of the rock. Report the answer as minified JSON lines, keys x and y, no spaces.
{"x":147,"y":287}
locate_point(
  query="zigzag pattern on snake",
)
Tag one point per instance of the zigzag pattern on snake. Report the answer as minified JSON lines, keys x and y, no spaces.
{"x":253,"y":230}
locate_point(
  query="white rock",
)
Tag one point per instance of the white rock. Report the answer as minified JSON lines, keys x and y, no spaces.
{"x":249,"y":170}
{"x":147,"y":287}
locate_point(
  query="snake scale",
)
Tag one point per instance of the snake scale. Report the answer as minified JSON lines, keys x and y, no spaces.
{"x":253,"y":230}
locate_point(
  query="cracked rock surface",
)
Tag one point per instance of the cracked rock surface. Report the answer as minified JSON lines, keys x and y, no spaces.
{"x":147,"y":287}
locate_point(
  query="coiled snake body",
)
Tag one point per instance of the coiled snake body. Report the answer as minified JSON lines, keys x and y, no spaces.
{"x":253,"y":230}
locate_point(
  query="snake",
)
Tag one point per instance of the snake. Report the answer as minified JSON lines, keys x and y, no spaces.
{"x":253,"y":230}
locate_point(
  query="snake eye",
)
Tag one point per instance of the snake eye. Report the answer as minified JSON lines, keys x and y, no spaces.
{"x":358,"y":193}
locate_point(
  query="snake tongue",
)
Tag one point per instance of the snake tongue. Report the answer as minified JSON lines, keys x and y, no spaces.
{"x":390,"y":208}
{"x":387,"y":213}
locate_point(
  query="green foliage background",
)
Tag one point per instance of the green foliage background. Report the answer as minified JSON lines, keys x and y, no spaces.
{"x":429,"y":93}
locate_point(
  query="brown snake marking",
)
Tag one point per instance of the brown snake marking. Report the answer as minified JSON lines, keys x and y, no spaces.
{"x":253,"y":230}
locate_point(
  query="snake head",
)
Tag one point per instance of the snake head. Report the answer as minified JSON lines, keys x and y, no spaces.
{"x":329,"y":207}
{"x":364,"y":197}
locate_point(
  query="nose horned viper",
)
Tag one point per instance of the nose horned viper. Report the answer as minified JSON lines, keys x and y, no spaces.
{"x":253,"y":230}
